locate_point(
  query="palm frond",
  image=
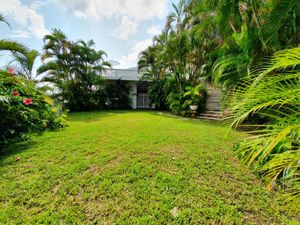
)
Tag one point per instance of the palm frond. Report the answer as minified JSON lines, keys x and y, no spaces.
{"x":8,"y":45}
{"x":274,"y":93}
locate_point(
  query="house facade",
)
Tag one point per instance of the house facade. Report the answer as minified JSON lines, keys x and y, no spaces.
{"x":139,"y":98}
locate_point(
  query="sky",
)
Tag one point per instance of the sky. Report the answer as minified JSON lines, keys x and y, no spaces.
{"x":122,"y":28}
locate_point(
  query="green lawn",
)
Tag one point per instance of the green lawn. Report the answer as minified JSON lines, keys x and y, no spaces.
{"x":133,"y":168}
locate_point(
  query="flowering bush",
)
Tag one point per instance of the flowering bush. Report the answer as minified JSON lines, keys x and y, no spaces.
{"x":23,"y":108}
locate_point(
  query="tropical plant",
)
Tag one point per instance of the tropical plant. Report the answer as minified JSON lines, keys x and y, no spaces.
{"x":273,"y":149}
{"x":117,"y":95}
{"x":24,"y":63}
{"x":23,"y":108}
{"x":196,"y":95}
{"x":75,"y":69}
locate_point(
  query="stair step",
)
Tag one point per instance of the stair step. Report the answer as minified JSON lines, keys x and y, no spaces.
{"x":213,"y":112}
{"x":213,"y":106}
{"x":213,"y":97}
{"x":214,"y":94}
{"x":217,"y":113}
{"x":210,"y":118}
{"x":213,"y":101}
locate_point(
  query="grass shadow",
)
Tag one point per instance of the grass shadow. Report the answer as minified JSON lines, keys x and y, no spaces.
{"x":93,"y":116}
{"x":188,"y":119}
{"x":14,"y":148}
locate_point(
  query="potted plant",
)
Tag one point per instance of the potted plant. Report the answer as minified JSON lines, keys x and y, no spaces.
{"x":193,"y":95}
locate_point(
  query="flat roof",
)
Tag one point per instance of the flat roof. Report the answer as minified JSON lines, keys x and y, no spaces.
{"x":123,"y":74}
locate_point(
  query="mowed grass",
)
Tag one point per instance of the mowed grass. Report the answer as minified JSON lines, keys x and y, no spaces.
{"x":133,"y":168}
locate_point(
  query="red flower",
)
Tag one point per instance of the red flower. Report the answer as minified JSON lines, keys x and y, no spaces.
{"x":27,"y":101}
{"x":11,"y":70}
{"x":15,"y":93}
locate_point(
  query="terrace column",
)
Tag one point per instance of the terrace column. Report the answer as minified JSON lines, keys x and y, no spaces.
{"x":133,"y":94}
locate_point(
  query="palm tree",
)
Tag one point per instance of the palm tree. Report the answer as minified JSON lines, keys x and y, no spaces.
{"x":56,"y":61}
{"x":177,"y":20}
{"x":74,"y":68}
{"x":56,"y":44}
{"x":25,"y":63}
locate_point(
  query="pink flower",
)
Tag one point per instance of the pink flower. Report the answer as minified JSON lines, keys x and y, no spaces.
{"x":11,"y":70}
{"x":15,"y":93}
{"x":27,"y":101}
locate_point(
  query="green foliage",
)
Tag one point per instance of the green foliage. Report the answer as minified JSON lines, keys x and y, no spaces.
{"x":117,"y":95}
{"x":281,"y":29}
{"x":178,"y":100}
{"x":8,"y":45}
{"x":157,"y":94}
{"x":274,"y":93}
{"x":24,"y":109}
{"x":177,"y":103}
{"x":221,"y":40}
{"x":75,"y":69}
{"x":196,"y":95}
{"x":24,"y":63}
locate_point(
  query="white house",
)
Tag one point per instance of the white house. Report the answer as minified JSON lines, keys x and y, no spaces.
{"x":138,"y":89}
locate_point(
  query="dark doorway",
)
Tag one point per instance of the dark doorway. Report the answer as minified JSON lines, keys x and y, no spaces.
{"x":142,"y":96}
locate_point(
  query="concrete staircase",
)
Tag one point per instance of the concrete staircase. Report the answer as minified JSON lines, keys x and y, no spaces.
{"x":213,"y":105}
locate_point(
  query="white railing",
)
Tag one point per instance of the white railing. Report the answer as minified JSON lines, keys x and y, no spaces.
{"x":123,"y":74}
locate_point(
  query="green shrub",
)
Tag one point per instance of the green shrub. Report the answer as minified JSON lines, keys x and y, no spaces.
{"x":24,"y":109}
{"x":117,"y":95}
{"x":196,"y":96}
{"x":179,"y":100}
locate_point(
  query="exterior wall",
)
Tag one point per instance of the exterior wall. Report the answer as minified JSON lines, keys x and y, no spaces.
{"x":133,"y":93}
{"x":132,"y":78}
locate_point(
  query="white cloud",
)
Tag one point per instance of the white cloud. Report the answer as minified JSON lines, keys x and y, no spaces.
{"x":127,"y":28}
{"x":27,"y":19}
{"x":154,"y":30}
{"x":130,"y":13}
{"x":38,"y":4}
{"x":96,"y":9}
{"x":132,"y":58}
{"x":20,"y":34}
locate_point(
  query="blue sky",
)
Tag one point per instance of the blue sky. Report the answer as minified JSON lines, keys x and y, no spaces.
{"x":120,"y":27}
